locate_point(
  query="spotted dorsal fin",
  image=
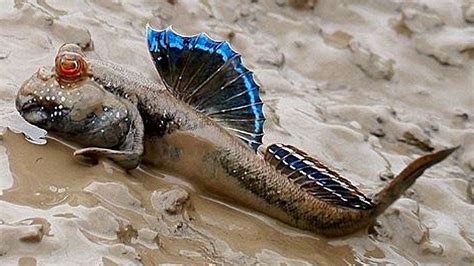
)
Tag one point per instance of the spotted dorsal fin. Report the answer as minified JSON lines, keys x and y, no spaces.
{"x":210,"y":76}
{"x":315,"y":178}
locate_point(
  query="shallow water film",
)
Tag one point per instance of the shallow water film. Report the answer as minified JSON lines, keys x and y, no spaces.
{"x":365,"y":86}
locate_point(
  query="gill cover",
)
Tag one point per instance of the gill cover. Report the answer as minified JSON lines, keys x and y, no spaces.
{"x":210,"y":76}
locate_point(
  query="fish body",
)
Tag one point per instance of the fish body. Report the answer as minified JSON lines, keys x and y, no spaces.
{"x":203,"y":121}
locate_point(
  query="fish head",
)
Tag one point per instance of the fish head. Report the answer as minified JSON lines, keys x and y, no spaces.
{"x":65,"y":100}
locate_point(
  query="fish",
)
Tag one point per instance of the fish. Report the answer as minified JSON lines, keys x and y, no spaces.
{"x":203,"y":120}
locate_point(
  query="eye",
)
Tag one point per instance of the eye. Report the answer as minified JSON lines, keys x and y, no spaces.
{"x":70,"y":65}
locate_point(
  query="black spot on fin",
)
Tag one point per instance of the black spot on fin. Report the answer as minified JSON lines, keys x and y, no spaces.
{"x":315,"y":178}
{"x":210,"y":76}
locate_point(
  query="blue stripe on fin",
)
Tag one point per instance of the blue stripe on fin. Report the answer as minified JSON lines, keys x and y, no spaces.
{"x":315,"y":178}
{"x":210,"y":76}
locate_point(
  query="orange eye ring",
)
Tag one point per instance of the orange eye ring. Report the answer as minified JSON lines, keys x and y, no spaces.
{"x":70,"y":65}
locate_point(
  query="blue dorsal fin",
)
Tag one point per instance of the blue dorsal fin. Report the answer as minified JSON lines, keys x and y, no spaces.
{"x":211,"y":77}
{"x":315,"y":178}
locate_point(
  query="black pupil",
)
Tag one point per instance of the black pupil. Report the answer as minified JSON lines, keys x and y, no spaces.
{"x":69,"y":64}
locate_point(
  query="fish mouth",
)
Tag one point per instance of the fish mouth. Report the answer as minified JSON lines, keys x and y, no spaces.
{"x":36,"y":112}
{"x":30,"y":106}
{"x":33,"y":112}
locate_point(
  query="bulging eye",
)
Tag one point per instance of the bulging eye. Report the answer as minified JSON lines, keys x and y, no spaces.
{"x":70,"y":65}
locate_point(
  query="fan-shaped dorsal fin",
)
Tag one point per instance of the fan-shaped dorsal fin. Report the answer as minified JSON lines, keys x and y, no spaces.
{"x":315,"y":178}
{"x":210,"y":76}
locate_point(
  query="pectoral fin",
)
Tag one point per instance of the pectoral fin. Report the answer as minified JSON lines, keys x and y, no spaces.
{"x":125,"y":159}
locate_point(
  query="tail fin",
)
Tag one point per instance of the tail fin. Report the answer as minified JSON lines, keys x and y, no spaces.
{"x":406,"y":178}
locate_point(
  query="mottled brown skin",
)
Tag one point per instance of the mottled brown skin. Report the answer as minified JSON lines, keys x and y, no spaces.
{"x":175,"y":138}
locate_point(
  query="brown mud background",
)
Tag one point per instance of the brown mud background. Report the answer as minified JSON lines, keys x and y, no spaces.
{"x":366,"y":86}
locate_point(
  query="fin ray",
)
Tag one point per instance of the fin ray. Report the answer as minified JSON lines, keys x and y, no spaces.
{"x":210,"y":76}
{"x":315,"y":178}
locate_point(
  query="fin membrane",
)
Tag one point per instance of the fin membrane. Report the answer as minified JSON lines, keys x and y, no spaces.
{"x":315,"y":178}
{"x":210,"y":76}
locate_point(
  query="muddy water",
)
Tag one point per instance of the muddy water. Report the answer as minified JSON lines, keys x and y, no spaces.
{"x":365,"y":86}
